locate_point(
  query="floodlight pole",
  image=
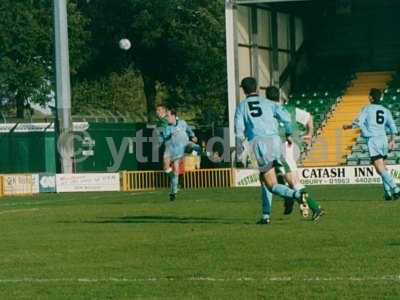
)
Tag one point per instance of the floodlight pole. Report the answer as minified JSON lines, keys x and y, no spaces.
{"x":231,"y":63}
{"x":63,"y":123}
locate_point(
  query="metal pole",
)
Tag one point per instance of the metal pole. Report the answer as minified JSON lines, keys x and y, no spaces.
{"x":231,"y":62}
{"x":63,"y":128}
{"x":275,"y":52}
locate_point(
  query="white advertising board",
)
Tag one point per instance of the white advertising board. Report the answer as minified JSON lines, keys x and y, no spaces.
{"x":35,"y":184}
{"x":87,"y":182}
{"x":16,"y":184}
{"x":246,"y":177}
{"x":324,"y":175}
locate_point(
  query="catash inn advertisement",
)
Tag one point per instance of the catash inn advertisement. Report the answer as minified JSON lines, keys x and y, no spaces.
{"x":324,"y":176}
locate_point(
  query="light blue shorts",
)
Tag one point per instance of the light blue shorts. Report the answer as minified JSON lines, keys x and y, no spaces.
{"x":378,"y":146}
{"x":267,"y":150}
{"x":175,"y":152}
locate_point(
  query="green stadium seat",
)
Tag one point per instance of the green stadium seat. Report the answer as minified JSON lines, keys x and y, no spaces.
{"x":392,"y":155}
{"x":363,"y":155}
{"x":352,"y":162}
{"x":318,"y":88}
{"x":360,"y":140}
{"x":352,"y":159}
{"x":316,"y":104}
{"x":365,"y":162}
{"x":356,"y":148}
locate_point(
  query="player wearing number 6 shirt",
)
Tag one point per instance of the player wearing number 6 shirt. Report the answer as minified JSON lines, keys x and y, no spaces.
{"x":255,"y":121}
{"x":374,"y":120}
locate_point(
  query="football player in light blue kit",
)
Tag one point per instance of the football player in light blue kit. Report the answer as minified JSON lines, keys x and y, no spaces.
{"x":178,"y":137}
{"x":373,"y":121}
{"x":289,"y":169}
{"x":254,"y":121}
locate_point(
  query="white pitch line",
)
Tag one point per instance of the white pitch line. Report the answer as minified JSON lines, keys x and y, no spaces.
{"x":12,"y":211}
{"x":389,"y":278}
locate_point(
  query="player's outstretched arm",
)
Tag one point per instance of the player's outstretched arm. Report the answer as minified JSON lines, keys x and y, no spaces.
{"x":166,"y":134}
{"x":239,"y":122}
{"x":361,"y":120}
{"x":392,"y":143}
{"x":355,"y":124}
{"x":190,"y":133}
{"x":310,"y":126}
{"x":289,"y":139}
{"x":239,"y":132}
{"x":307,"y":138}
{"x":283,"y":116}
{"x":390,"y":124}
{"x":305,"y":118}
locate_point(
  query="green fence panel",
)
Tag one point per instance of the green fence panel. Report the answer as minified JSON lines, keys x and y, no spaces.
{"x":50,"y":153}
{"x":26,"y":153}
{"x":5,"y":153}
{"x":96,"y":149}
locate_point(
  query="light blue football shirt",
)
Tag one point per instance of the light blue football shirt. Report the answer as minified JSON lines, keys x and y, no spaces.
{"x":255,"y":118}
{"x":177,"y":135}
{"x":374,"y":120}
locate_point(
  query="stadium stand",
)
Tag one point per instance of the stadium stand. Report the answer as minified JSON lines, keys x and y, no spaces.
{"x":324,"y":76}
{"x":317,"y":90}
{"x":319,"y":105}
{"x":333,"y":144}
{"x":359,"y":151}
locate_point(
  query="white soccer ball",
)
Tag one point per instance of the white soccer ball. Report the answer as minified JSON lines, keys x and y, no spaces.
{"x":304,"y":210}
{"x":125,"y":44}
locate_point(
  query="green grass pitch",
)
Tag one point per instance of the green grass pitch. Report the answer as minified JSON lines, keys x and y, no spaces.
{"x":203,"y":246}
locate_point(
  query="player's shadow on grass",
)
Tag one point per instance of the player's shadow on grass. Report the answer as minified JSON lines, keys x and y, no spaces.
{"x":163,"y":219}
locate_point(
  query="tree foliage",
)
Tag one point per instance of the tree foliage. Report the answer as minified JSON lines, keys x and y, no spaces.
{"x":179,"y":44}
{"x":178,"y":50}
{"x":26,"y":55}
{"x":117,"y":94}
